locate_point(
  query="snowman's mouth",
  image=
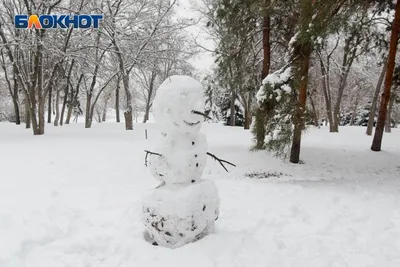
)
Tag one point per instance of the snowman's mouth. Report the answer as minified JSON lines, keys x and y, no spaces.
{"x":191,"y":123}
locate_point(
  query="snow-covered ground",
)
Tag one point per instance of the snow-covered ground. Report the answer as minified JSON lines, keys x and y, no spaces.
{"x":73,"y":198}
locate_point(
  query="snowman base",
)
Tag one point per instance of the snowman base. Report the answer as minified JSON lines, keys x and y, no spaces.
{"x":178,"y":214}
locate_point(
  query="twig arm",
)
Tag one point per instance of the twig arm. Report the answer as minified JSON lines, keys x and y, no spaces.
{"x":151,"y":153}
{"x":221,"y":161}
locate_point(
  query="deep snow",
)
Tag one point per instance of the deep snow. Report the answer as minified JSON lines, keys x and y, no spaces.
{"x":72,"y":198}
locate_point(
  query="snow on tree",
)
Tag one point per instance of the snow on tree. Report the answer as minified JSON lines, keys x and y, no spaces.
{"x":277,"y":95}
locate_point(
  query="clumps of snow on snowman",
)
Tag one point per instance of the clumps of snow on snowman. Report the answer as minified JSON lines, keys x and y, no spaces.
{"x":184,"y":207}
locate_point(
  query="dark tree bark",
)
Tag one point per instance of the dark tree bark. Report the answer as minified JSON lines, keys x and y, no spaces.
{"x":260,"y":113}
{"x":15,"y":99}
{"x":57,"y":117}
{"x":129,"y":110}
{"x":49,"y":99}
{"x":304,"y":61}
{"x":66,"y":91}
{"x":89,"y":111}
{"x":117,"y":112}
{"x":232,"y":109}
{"x":266,"y":40}
{"x":88,"y":115}
{"x":348,"y":59}
{"x":314,"y":111}
{"x":104,"y":117}
{"x":149,"y":95}
{"x":247,"y":118}
{"x":260,"y":127}
{"x":326,"y":88}
{"x":377,"y":141}
{"x":40,"y":91}
{"x":302,"y":49}
{"x":388,"y":124}
{"x":27,"y":114}
{"x":14,"y":89}
{"x":371,"y":117}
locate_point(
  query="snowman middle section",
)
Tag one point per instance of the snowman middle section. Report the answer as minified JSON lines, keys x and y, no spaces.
{"x":183,"y":157}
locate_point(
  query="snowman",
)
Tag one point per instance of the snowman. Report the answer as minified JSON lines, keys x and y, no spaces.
{"x":184,"y":207}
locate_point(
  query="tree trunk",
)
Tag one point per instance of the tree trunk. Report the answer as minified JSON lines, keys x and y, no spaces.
{"x":348,"y":59}
{"x":16,"y":112}
{"x":314,"y":111}
{"x":388,"y":124}
{"x":74,"y":99}
{"x":128,"y":120}
{"x":27,"y":114}
{"x":377,"y":142}
{"x":34,"y":120}
{"x":371,"y":117}
{"x":260,"y":128}
{"x":49,"y":105}
{"x":64,"y":105}
{"x":69,"y":114}
{"x":149,"y":96}
{"x":66,"y":91}
{"x":260,"y":115}
{"x":265,"y":40}
{"x":302,"y":98}
{"x":15,"y":99}
{"x":302,"y":49}
{"x":57,"y":118}
{"x":117,"y":112}
{"x":128,"y":113}
{"x":247,"y":117}
{"x":41,"y":95}
{"x":300,"y":57}
{"x":13,"y":90}
{"x":88,"y":116}
{"x":104,"y":115}
{"x":327,"y":94}
{"x":232,"y":109}
{"x":354,"y":113}
{"x":146,"y":113}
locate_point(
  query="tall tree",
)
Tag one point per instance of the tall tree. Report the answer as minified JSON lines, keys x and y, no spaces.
{"x":377,"y":141}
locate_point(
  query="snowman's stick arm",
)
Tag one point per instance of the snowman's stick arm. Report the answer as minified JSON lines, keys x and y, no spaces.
{"x":151,"y":153}
{"x":201,"y":113}
{"x":221,"y":161}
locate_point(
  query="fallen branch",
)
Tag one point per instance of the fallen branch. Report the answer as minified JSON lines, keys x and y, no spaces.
{"x":151,"y":153}
{"x":221,"y":161}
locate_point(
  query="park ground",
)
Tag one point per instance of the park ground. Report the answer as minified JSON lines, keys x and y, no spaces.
{"x":72,"y":197}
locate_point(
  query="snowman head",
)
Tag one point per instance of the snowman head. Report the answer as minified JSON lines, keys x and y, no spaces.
{"x":179,"y":104}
